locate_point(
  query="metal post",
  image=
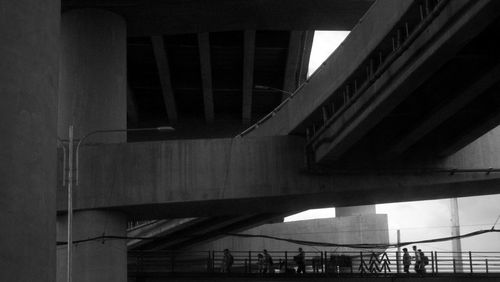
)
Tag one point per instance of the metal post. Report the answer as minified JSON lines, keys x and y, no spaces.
{"x":487,"y":270}
{"x":436,"y":257}
{"x":470,"y":261}
{"x":286,"y":261}
{"x":454,"y":267}
{"x":432,"y":261}
{"x":213,"y":261}
{"x":250,"y":261}
{"x":322,"y":263}
{"x":398,"y":254}
{"x":456,"y":245}
{"x":361,"y":260}
{"x":209,"y":262}
{"x":70,"y":205}
{"x":398,"y":265}
{"x":326,"y":262}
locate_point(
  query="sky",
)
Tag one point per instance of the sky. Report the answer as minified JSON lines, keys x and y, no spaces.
{"x":418,"y":220}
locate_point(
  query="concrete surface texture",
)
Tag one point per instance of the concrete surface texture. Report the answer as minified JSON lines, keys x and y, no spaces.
{"x":370,"y":228}
{"x":93,"y":97}
{"x":93,"y":74}
{"x":172,"y":17}
{"x":29,"y":32}
{"x":355,"y":210}
{"x":220,"y":176}
{"x":98,"y":260}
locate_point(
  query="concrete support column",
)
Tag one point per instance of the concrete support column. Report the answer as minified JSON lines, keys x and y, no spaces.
{"x":96,"y":260}
{"x":29,"y":44}
{"x":355,"y":210}
{"x":93,"y":74}
{"x":93,"y":97}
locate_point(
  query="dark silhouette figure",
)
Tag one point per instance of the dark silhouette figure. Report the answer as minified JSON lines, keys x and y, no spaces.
{"x":227,"y":262}
{"x":300,"y":259}
{"x":268,"y":263}
{"x":406,"y":260}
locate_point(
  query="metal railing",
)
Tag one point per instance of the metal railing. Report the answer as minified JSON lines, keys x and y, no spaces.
{"x":318,"y":262}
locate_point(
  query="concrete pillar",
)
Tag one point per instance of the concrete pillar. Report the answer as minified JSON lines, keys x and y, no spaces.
{"x":93,"y":97}
{"x":96,"y":260}
{"x":29,"y":43}
{"x":93,"y":74}
{"x":355,"y":210}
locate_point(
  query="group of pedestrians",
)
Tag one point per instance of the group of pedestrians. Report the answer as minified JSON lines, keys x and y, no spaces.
{"x":265,"y":262}
{"x":420,"y":260}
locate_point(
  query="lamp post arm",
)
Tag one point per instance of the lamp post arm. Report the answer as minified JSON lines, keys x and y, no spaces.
{"x":265,"y":87}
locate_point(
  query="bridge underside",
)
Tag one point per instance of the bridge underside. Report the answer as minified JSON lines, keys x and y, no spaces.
{"x":259,"y":175}
{"x":422,"y":87}
{"x":427,"y":102}
{"x":147,"y":18}
{"x":437,"y":97}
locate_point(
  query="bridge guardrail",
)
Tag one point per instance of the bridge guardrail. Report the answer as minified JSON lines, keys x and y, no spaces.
{"x":317,"y":262}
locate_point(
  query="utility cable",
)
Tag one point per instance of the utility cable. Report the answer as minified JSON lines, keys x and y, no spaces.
{"x":299,"y":242}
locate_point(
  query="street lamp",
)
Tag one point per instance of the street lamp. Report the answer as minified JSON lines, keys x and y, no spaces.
{"x":70,"y":177}
{"x":265,"y":87}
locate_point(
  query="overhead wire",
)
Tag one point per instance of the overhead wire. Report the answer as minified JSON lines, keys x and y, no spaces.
{"x":300,"y":242}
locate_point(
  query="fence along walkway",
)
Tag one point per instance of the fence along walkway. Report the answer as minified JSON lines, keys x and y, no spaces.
{"x":320,"y":263}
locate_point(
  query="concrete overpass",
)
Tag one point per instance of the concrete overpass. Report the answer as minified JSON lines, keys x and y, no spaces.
{"x":409,"y":92}
{"x":219,"y":177}
{"x":75,"y":66}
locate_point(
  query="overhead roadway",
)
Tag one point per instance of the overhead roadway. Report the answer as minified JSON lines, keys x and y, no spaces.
{"x":154,"y":17}
{"x":209,"y":74}
{"x":227,"y":177}
{"x":194,"y":64}
{"x":423,"y":86}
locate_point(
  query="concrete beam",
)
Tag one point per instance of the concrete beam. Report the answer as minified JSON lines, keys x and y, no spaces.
{"x":159,"y":228}
{"x":146,"y":18}
{"x":248,"y":66}
{"x":363,"y":39}
{"x":491,"y":122}
{"x":444,"y":112}
{"x":445,"y":36}
{"x":206,"y":75}
{"x":208,"y":229}
{"x":189,"y":178}
{"x":164,"y":76}
{"x":293,"y":62}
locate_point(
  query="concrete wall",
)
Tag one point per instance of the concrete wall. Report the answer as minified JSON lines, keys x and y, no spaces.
{"x":345,"y":230}
{"x":355,"y":210}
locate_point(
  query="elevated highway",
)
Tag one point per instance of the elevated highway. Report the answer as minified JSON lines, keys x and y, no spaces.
{"x":366,"y":128}
{"x":216,"y":177}
{"x":422,"y":86}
